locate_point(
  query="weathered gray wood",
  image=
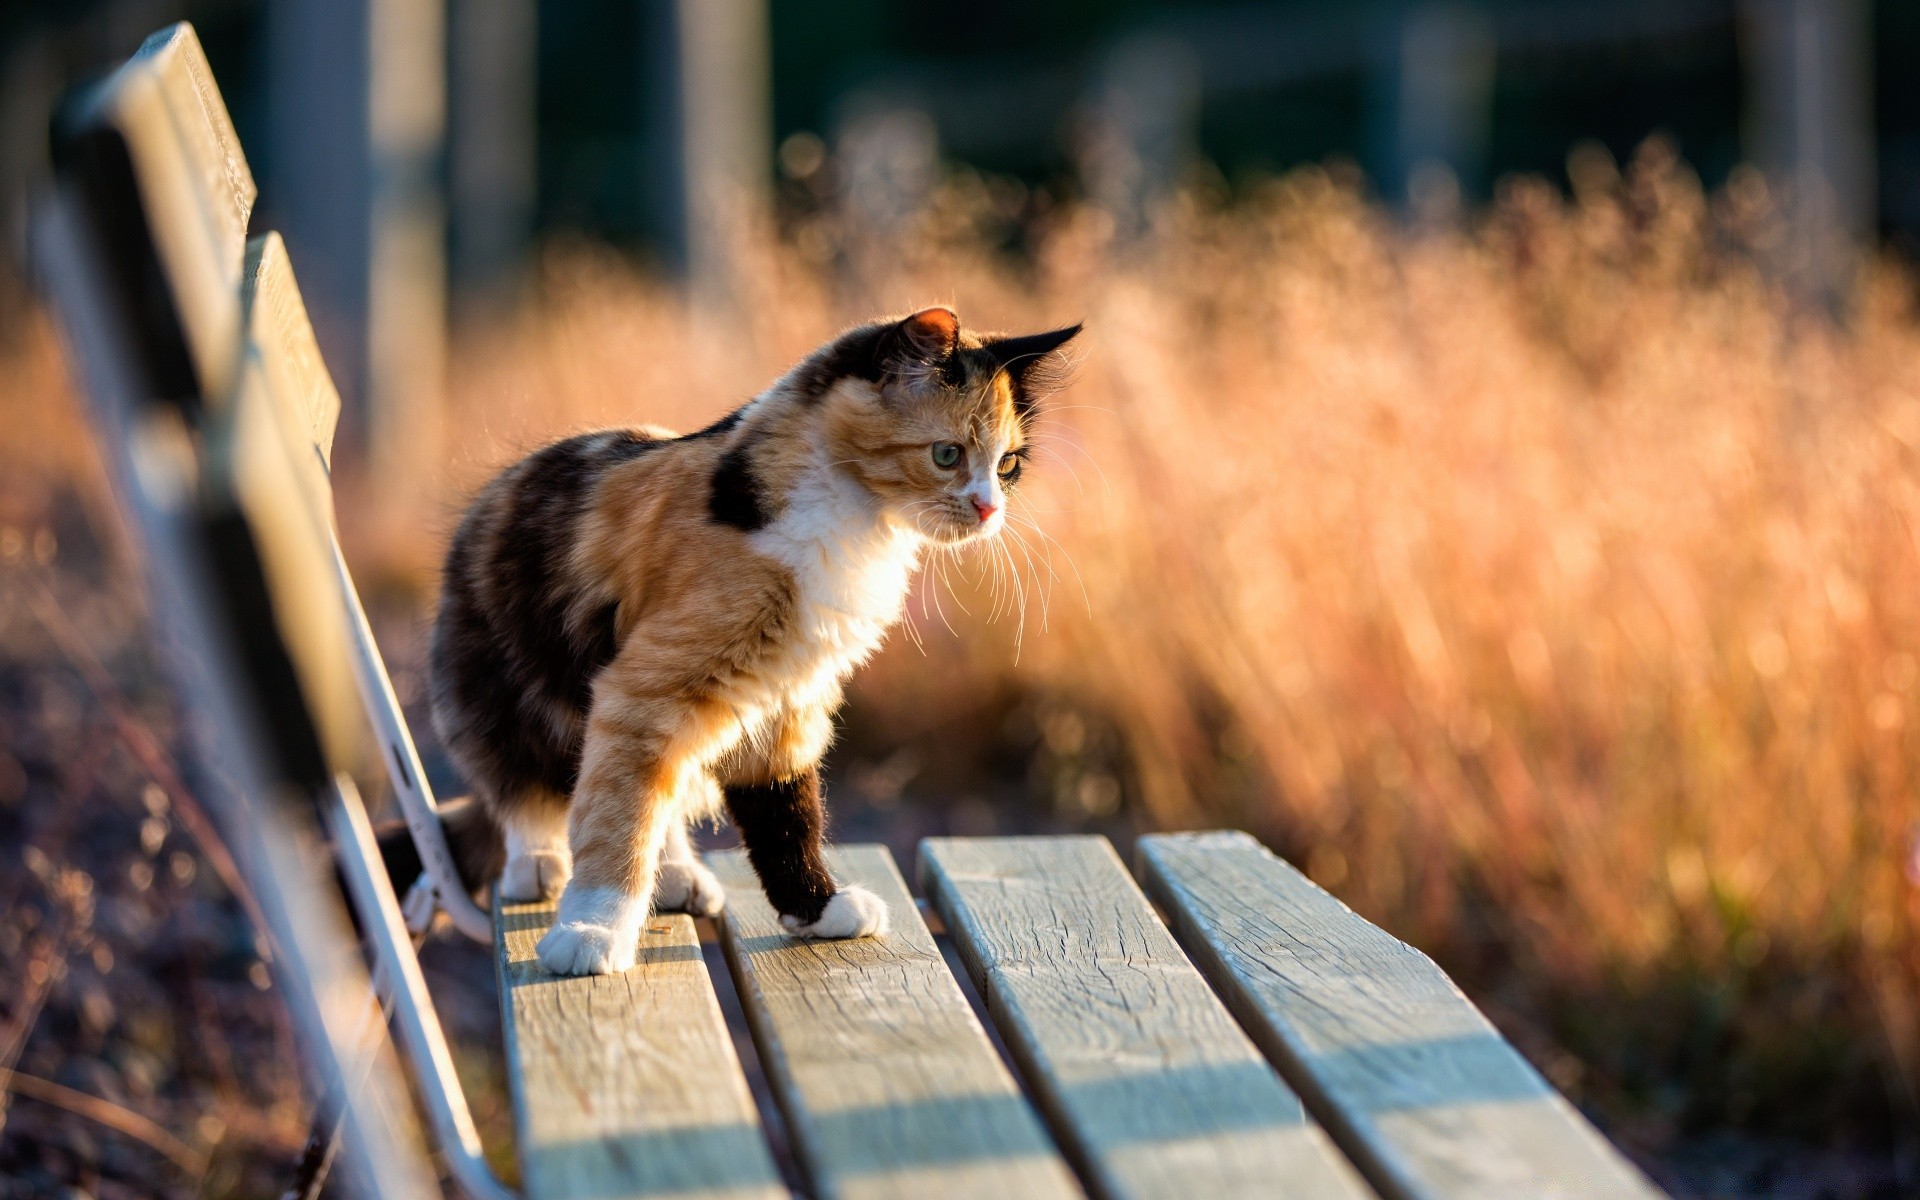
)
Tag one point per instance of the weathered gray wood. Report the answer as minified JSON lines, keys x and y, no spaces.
{"x":263,"y":452}
{"x":889,"y":1084}
{"x":1415,"y":1084}
{"x":626,"y":1085}
{"x":1138,"y":1067}
{"x":280,"y":334}
{"x":194,"y":186}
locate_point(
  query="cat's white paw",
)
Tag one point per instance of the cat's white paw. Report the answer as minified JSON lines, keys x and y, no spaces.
{"x":535,"y":875}
{"x":596,"y":932}
{"x":688,"y":887}
{"x":852,"y":912}
{"x":588,"y":949}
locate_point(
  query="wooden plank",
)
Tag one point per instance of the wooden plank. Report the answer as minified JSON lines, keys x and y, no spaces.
{"x":1140,"y":1070}
{"x":253,"y":466}
{"x":626,"y":1085}
{"x":888,"y":1082}
{"x":265,"y":448}
{"x":280,"y":334}
{"x":193,"y":184}
{"x":1416,"y":1085}
{"x":198,"y":116}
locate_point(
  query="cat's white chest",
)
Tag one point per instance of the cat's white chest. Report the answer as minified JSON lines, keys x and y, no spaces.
{"x":850,"y":570}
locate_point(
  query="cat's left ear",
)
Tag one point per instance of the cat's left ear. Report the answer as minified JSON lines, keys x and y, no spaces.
{"x":1032,"y":362}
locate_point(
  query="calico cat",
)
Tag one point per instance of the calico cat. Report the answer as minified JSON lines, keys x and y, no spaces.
{"x":637,"y":630}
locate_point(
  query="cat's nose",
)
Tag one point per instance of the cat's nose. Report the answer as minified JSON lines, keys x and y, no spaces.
{"x":986,"y":509}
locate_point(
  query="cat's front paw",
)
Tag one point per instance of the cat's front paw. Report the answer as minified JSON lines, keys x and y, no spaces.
{"x":852,"y":912}
{"x":690,"y":888}
{"x":576,"y":949}
{"x":535,"y":875}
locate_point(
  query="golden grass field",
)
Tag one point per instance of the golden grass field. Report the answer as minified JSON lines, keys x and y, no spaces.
{"x":1548,"y":588}
{"x":1551,"y":591}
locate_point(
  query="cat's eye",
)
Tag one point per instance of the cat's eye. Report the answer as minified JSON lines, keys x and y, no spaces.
{"x":946,"y":454}
{"x":1009,"y":467}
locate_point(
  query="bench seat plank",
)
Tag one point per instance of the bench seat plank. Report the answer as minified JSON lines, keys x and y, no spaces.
{"x":1415,"y":1084}
{"x":889,"y":1084}
{"x":626,"y":1085}
{"x":1142,"y":1072}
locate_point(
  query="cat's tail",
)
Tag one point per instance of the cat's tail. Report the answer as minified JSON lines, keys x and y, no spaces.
{"x":479,"y":850}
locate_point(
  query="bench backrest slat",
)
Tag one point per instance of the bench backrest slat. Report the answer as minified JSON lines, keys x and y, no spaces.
{"x":141,"y":242}
{"x":158,"y":144}
{"x":264,"y":448}
{"x":1419,"y":1088}
{"x":280,"y":334}
{"x":1141,"y":1071}
{"x":890,"y":1087}
{"x":290,"y":400}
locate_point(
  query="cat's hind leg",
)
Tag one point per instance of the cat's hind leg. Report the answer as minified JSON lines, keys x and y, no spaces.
{"x":684,"y":884}
{"x":538,"y":861}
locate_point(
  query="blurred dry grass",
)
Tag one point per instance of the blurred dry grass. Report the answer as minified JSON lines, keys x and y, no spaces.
{"x":1550,"y":589}
{"x":1547,"y":587}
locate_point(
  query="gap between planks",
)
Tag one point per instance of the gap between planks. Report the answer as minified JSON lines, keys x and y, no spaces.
{"x":888,"y":1082}
{"x":1141,"y":1072}
{"x":1419,"y":1088}
{"x":626,"y":1085}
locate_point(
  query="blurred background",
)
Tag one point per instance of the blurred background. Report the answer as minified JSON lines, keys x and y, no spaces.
{"x":1490,"y":478}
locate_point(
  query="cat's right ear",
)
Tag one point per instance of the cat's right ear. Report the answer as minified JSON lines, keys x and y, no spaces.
{"x":928,"y":336}
{"x":917,"y":344}
{"x":916,"y":348}
{"x":913,"y":345}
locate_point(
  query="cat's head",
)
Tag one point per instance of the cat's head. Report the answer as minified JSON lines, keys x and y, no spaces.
{"x":932,"y":419}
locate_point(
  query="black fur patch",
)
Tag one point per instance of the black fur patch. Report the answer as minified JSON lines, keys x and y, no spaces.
{"x":724,"y":425}
{"x":512,"y":659}
{"x":857,"y":354}
{"x":781,"y":825}
{"x":1029,"y":363}
{"x":735,"y":496}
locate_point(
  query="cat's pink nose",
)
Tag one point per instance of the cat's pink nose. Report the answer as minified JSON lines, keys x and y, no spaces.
{"x":985,"y":509}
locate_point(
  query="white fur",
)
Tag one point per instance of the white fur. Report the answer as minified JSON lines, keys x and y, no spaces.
{"x":688,"y":887}
{"x":851,"y":565}
{"x":983,"y":487}
{"x":701,"y":799}
{"x":852,"y":912}
{"x":682,"y":883}
{"x":538,"y":861}
{"x":596,"y":932}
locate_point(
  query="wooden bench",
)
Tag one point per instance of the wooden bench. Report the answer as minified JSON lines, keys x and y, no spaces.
{"x":1230,"y":1031}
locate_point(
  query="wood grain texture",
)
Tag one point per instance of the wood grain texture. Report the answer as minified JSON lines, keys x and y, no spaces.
{"x":194,"y":185}
{"x":1140,"y":1070}
{"x":198,"y":116}
{"x":263,"y":449}
{"x":280,"y":333}
{"x":626,"y":1085}
{"x":1416,"y":1085}
{"x":889,"y":1084}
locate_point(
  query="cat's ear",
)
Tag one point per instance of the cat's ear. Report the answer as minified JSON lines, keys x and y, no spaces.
{"x":918,"y":349}
{"x":930,"y":335}
{"x":1032,"y":363}
{"x":912,"y":345}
